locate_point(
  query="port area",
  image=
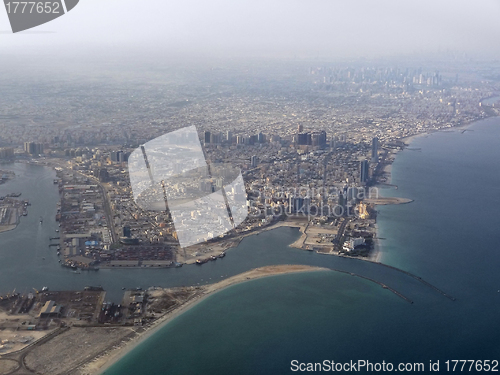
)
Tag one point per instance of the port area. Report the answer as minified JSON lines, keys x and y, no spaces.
{"x":26,"y":318}
{"x":55,"y":332}
{"x":11,"y":211}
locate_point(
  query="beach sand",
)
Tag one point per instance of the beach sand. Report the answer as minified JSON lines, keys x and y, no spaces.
{"x":6,"y":228}
{"x":113,"y":355}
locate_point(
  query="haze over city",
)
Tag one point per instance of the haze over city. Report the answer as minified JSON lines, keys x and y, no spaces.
{"x":249,"y":187}
{"x":258,"y":28}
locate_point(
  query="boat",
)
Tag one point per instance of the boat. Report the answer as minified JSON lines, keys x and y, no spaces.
{"x":222,"y":254}
{"x":45,"y":289}
{"x":41,"y":220}
{"x":212,"y":257}
{"x":57,"y":230}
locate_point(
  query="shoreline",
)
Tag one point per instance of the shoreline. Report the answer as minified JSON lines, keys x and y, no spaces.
{"x":111,"y":356}
{"x":7,"y":228}
{"x":387,"y":173}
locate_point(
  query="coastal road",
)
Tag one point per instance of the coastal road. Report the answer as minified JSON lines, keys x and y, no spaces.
{"x":340,"y":233}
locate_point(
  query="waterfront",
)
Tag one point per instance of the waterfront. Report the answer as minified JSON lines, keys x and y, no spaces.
{"x":326,"y":314}
{"x":447,"y":235}
{"x":25,"y":251}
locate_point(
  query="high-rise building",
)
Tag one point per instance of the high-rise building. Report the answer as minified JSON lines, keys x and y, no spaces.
{"x":229,"y":137}
{"x":275,"y":138}
{"x":322,"y":138}
{"x":127,"y":232}
{"x":300,"y":128}
{"x":207,"y":137}
{"x":261,"y":138}
{"x":375,"y":150}
{"x":299,"y":204}
{"x":318,"y":139}
{"x":122,"y":156}
{"x":6,"y":153}
{"x":333,"y":143}
{"x":254,"y":161}
{"x":38,"y":148}
{"x":363,"y":171}
{"x":215,"y":138}
{"x":304,"y":139}
{"x":103,"y":175}
{"x":33,"y":148}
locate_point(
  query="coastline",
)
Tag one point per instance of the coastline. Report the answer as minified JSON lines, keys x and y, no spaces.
{"x":214,"y":249}
{"x":6,"y":228}
{"x":387,"y":173}
{"x":114,"y":354}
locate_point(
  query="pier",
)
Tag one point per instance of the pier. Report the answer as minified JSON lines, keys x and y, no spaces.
{"x":418,"y":278}
{"x":400,"y":295}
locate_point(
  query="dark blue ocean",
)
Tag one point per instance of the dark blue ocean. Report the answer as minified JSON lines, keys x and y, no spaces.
{"x":449,"y":236}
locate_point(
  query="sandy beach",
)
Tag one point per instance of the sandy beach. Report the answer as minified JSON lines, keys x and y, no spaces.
{"x":113,"y":355}
{"x":6,"y":228}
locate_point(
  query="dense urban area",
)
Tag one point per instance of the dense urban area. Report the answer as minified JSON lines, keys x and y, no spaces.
{"x":313,"y":142}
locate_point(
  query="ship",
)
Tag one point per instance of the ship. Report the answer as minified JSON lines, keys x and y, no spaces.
{"x":222,"y":254}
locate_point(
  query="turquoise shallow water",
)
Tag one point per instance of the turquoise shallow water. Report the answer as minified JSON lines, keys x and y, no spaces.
{"x":449,"y":235}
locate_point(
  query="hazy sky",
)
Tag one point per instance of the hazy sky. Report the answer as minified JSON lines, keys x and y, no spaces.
{"x":288,"y":28}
